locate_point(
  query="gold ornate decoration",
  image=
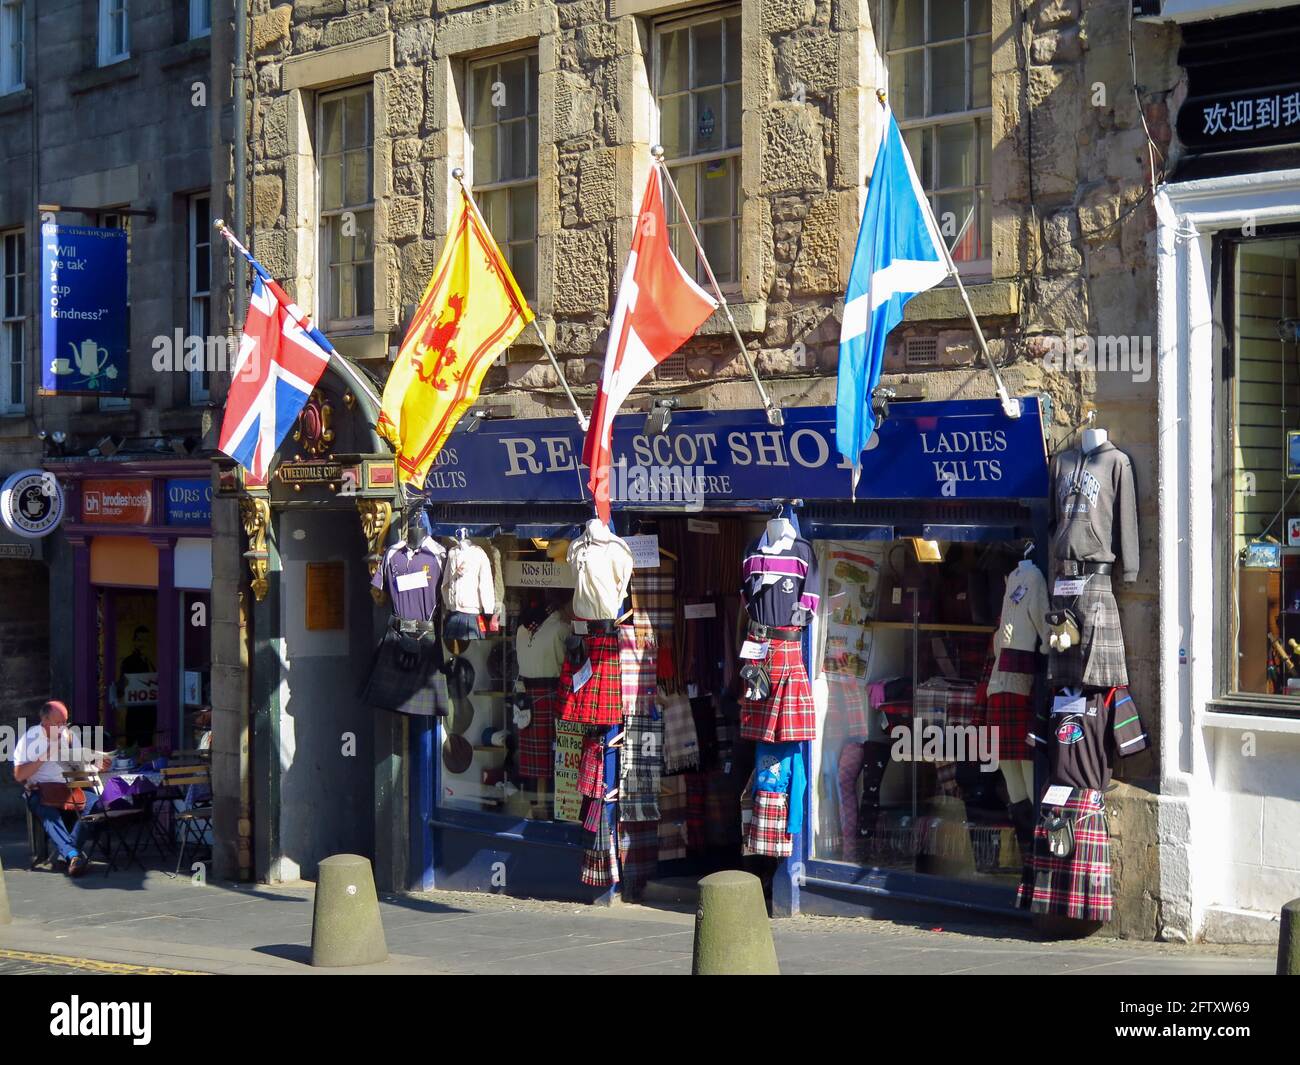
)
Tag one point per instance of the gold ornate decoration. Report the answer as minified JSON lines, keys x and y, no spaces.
{"x":313,"y":430}
{"x":376,"y":516}
{"x":255,"y":513}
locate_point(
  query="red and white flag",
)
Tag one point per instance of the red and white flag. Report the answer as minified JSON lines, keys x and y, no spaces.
{"x":658,"y":307}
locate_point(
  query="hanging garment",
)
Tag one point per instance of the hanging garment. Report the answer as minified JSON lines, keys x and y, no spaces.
{"x":537,"y":740}
{"x":778,"y":767}
{"x":786,"y":713}
{"x":1084,"y":734}
{"x":602,"y":564}
{"x":468,"y":583}
{"x":599,"y":858}
{"x":1098,"y":659}
{"x":638,"y":660}
{"x":652,"y":598}
{"x":599,"y":701}
{"x":779,"y":582}
{"x":681,"y":745}
{"x":539,"y":648}
{"x":405,"y":672}
{"x":1022,"y":631}
{"x":591,"y":767}
{"x":1094,"y":502}
{"x":764,"y":816}
{"x":638,"y":854}
{"x":641,"y":768}
{"x":1077,"y":885}
{"x":410,"y":576}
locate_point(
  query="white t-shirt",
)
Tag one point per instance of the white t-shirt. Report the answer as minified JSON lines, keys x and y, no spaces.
{"x":32,"y":746}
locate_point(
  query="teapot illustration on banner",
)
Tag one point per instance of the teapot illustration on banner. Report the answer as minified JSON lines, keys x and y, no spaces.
{"x":91,"y":361}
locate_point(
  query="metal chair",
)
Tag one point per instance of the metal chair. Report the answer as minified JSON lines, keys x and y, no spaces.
{"x":195,"y":783}
{"x":109,"y":826}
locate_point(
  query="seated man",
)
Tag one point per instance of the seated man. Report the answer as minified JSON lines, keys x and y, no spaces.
{"x":35,"y":763}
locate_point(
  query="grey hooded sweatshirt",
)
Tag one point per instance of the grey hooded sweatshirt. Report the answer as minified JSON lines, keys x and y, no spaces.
{"x":1094,"y":508}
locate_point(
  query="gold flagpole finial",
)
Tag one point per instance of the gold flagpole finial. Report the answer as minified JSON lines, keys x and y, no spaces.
{"x":880,"y":95}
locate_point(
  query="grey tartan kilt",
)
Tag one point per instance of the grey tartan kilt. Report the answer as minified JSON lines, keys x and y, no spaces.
{"x":421,"y":691}
{"x":1098,"y":660}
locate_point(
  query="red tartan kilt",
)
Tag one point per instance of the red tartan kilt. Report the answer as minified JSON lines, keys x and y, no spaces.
{"x":765,"y":833}
{"x":536,"y":742}
{"x":1078,"y":886}
{"x":591,"y":768}
{"x":1012,"y":715}
{"x":787,"y":714}
{"x":600,"y":700}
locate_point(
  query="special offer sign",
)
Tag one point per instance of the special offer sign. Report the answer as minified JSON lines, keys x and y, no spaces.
{"x":117,"y":502}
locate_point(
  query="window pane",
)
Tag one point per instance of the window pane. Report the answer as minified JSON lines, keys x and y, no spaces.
{"x":984,"y":145}
{"x":523,"y":264}
{"x":675,"y":125}
{"x":708,"y":120}
{"x":957,"y":224}
{"x":907,"y":84}
{"x":979,"y":16}
{"x":905,"y":27}
{"x":717,"y":240}
{"x":986,"y":225}
{"x":707,"y":60}
{"x":733,"y":48}
{"x":981,"y":76}
{"x":495,"y":208}
{"x":715,"y":188}
{"x":365,"y":290}
{"x":733,"y":116}
{"x":331,"y":183}
{"x":956,"y":155}
{"x":684,"y":178}
{"x":516,"y":143}
{"x":357,"y":177}
{"x":918,"y":143}
{"x":947,"y":19}
{"x":331,"y":127}
{"x":513,"y":73}
{"x":16,"y":341}
{"x":673,"y":60}
{"x":355,"y":120}
{"x":364,"y":223}
{"x":202,"y":269}
{"x":481,"y":82}
{"x":523,"y":213}
{"x":947,"y":78}
{"x":486,"y":169}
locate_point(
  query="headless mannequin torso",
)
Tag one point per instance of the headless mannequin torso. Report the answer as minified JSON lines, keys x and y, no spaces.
{"x":1091,"y":439}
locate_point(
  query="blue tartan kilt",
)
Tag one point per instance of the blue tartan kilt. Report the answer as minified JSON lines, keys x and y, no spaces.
{"x":420,"y":690}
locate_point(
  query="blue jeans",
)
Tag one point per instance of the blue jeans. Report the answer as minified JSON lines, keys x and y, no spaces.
{"x":68,"y":844}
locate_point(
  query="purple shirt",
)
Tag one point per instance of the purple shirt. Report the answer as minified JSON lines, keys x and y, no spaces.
{"x":411,"y":578}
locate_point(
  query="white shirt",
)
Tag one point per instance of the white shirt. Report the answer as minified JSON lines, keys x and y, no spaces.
{"x":468,"y":586}
{"x":541,"y":653}
{"x":1022,"y":626}
{"x":602,"y":563}
{"x":32,"y":746}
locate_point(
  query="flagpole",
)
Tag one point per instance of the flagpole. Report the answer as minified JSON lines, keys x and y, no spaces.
{"x":774,"y":415}
{"x":583,"y":421}
{"x":1010,"y":407}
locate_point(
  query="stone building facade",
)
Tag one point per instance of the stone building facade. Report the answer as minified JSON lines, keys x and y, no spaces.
{"x":107,"y":127}
{"x":1062,"y":241}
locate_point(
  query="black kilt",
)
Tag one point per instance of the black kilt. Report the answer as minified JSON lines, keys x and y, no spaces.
{"x":421,"y":691}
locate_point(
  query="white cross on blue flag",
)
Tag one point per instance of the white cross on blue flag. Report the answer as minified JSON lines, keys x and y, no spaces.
{"x":899,"y":253}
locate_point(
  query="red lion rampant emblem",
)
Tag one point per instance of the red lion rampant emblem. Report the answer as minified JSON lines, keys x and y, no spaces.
{"x":437,"y":342}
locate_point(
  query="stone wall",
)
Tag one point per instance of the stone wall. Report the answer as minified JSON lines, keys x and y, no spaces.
{"x":24,"y":660}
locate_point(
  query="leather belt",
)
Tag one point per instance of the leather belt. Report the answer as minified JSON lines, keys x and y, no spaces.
{"x":1071,"y":568}
{"x":410,"y":625}
{"x":595,"y":627}
{"x":771,"y":632}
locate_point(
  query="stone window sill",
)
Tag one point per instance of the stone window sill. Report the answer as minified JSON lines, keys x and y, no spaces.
{"x":178,"y":55}
{"x":993,"y":299}
{"x":99,"y":77}
{"x":751,"y":318}
{"x":1264,"y":720}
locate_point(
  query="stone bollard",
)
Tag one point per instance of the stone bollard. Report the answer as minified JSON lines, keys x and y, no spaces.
{"x":733,"y":934}
{"x":5,"y":916}
{"x":1288,"y":940}
{"x":345,"y":924}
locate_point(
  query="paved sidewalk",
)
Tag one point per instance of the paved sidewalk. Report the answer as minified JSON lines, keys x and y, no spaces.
{"x":151,"y":919}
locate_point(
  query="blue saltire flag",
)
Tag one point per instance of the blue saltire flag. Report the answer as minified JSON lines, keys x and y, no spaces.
{"x":898,"y":254}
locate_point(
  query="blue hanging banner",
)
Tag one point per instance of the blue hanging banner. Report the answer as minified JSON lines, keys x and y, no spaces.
{"x":957,"y":449}
{"x":83,"y":310}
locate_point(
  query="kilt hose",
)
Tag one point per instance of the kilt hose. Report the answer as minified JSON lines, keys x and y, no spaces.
{"x":787,"y":714}
{"x":537,"y":741}
{"x":600,"y":700}
{"x":1078,"y":886}
{"x":1012,"y":715}
{"x":765,"y":832}
{"x":1098,"y":660}
{"x":406,"y":676}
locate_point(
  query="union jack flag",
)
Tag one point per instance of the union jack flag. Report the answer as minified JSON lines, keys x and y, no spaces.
{"x":279,"y":362}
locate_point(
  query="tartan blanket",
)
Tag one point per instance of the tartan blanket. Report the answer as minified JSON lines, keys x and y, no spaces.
{"x":640,"y":768}
{"x":652,"y":597}
{"x":638,"y":662}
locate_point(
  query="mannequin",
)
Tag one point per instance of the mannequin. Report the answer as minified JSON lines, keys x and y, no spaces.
{"x":539,"y":652}
{"x":1091,"y":439}
{"x":780,"y":533}
{"x":468,"y":591}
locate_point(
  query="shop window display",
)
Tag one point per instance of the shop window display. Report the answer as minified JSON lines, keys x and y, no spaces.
{"x":911,"y":775}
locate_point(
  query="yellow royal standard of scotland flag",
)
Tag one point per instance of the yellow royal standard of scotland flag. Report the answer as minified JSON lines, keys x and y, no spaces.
{"x":470,"y":312}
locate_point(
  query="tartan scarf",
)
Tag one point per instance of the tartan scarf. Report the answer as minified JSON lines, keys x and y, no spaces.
{"x":681,"y":743}
{"x":640,"y":765}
